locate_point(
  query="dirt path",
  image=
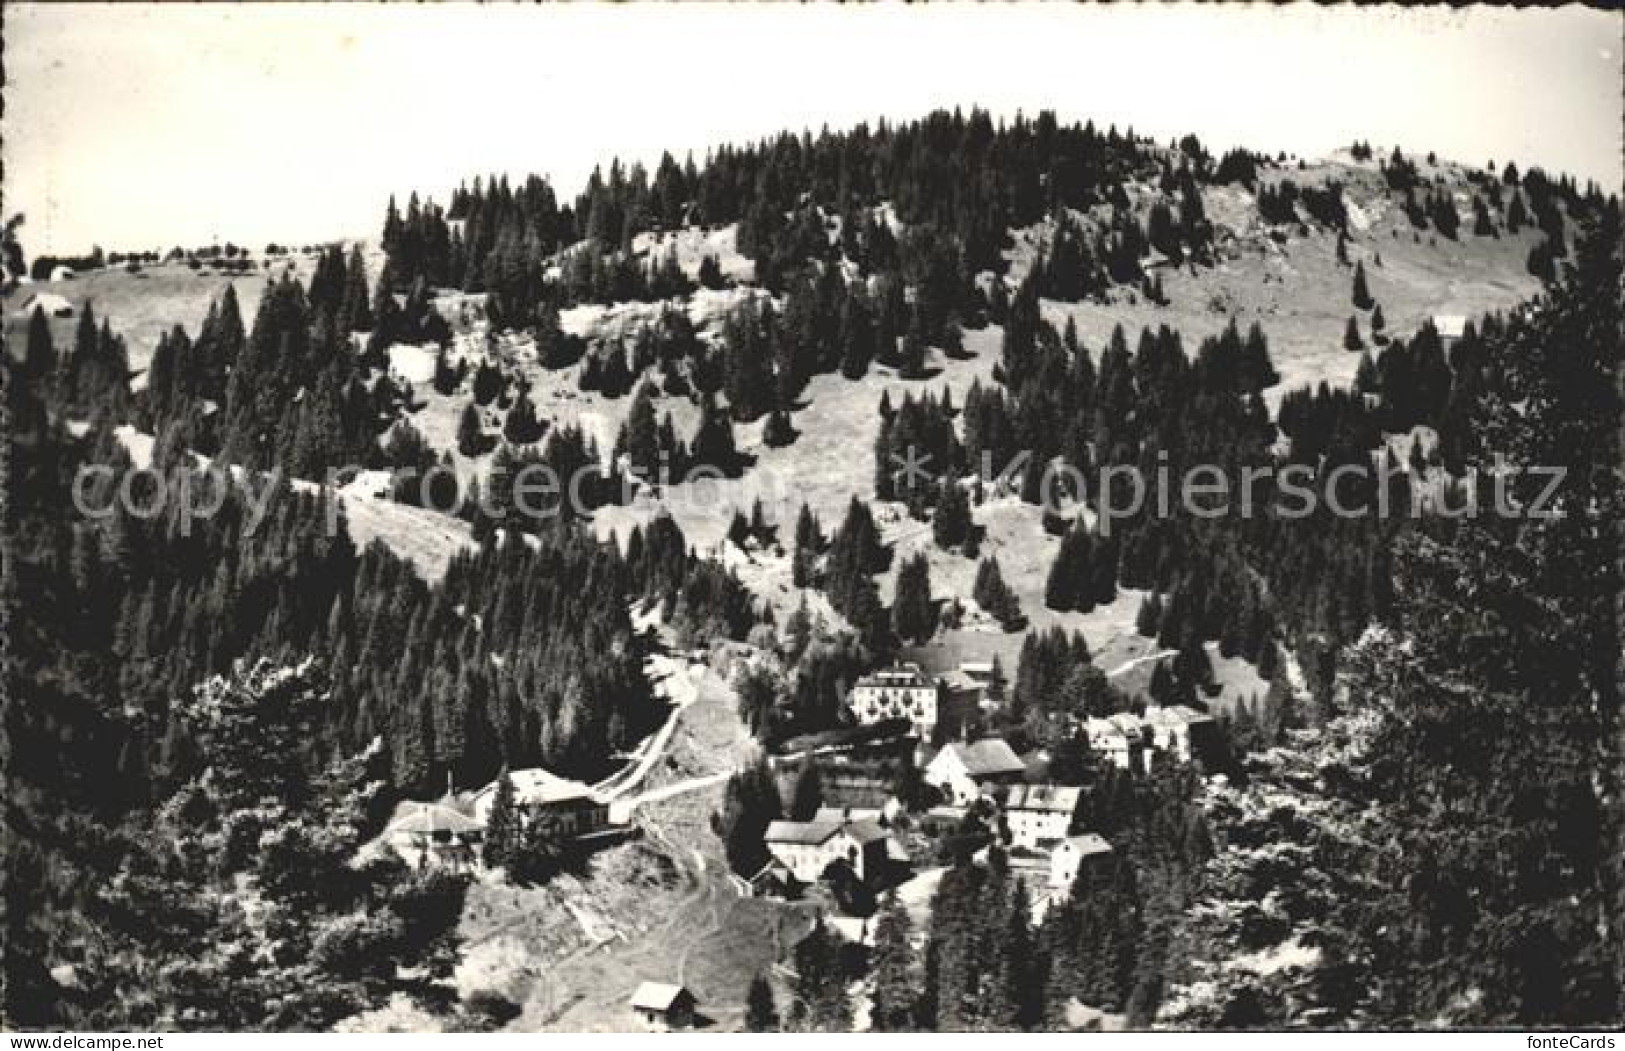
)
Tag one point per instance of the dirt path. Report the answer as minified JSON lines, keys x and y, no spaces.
{"x":1130,"y":665}
{"x":695,"y":784}
{"x":676,"y":683}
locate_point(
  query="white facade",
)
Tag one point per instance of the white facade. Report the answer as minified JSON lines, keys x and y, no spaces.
{"x":1038,"y":816}
{"x":964,"y":771}
{"x":1118,"y":740}
{"x":947,"y":772}
{"x":1450,"y":326}
{"x":808,"y":848}
{"x":901,"y":692}
{"x":1171,"y":729}
{"x":435,"y":834}
{"x":575,"y":807}
{"x":1123,"y":739}
{"x":807,"y":861}
{"x":1069,"y":856}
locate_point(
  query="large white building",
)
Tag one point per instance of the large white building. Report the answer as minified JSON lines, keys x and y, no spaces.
{"x":808,"y":848}
{"x":577,"y":809}
{"x":1039,"y":816}
{"x":899,"y":692}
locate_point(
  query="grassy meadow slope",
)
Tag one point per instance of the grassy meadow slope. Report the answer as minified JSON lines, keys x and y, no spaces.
{"x":1294,"y":286}
{"x":143,"y":306}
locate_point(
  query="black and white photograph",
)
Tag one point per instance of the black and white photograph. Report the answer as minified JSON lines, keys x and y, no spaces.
{"x":765,"y":518}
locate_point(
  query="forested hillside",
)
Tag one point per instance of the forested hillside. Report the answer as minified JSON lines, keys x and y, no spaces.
{"x":1415,"y":817}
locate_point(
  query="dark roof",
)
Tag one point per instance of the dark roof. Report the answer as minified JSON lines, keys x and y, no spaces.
{"x":806,"y":833}
{"x":861,"y":795}
{"x":865,"y":831}
{"x":905,"y":676}
{"x":820,"y":829}
{"x":774,"y":869}
{"x":1059,"y":799}
{"x":988,"y":757}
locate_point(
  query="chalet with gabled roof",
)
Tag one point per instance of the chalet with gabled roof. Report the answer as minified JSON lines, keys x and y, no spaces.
{"x":808,"y":848}
{"x":661,"y":1006}
{"x":963,"y":772}
{"x":577,"y":809}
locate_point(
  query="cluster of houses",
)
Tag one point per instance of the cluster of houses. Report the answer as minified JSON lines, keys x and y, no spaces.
{"x":946,"y":703}
{"x":1036,"y":822}
{"x":1128,"y":741}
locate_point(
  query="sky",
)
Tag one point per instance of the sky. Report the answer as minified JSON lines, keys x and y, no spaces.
{"x":139,"y":126}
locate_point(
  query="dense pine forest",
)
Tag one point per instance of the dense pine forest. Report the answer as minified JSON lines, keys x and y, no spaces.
{"x":209,"y":716}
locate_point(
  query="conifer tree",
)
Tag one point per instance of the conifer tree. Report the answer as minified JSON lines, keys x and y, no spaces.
{"x":1367,"y":380}
{"x":471,"y":439}
{"x":951,"y":521}
{"x":1517,"y":213}
{"x":520,"y":426}
{"x":809,"y":547}
{"x":778,"y":431}
{"x":761,"y":1014}
{"x":446,"y":378}
{"x":857,"y":336}
{"x":894,"y":998}
{"x":711,"y":277}
{"x":808,"y":795}
{"x":1351,"y":336}
{"x":713,"y":443}
{"x":1541,"y":261}
{"x":541,"y":848}
{"x":750,"y":803}
{"x":1149,"y":616}
{"x":1018,"y":1003}
{"x":913,"y":615}
{"x":1362,"y":293}
{"x":911,"y":362}
{"x":994,"y":595}
{"x":639,"y":439}
{"x":747,"y":377}
{"x":821,"y":1005}
{"x":502,"y":830}
{"x":355,"y":314}
{"x":39,"y":353}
